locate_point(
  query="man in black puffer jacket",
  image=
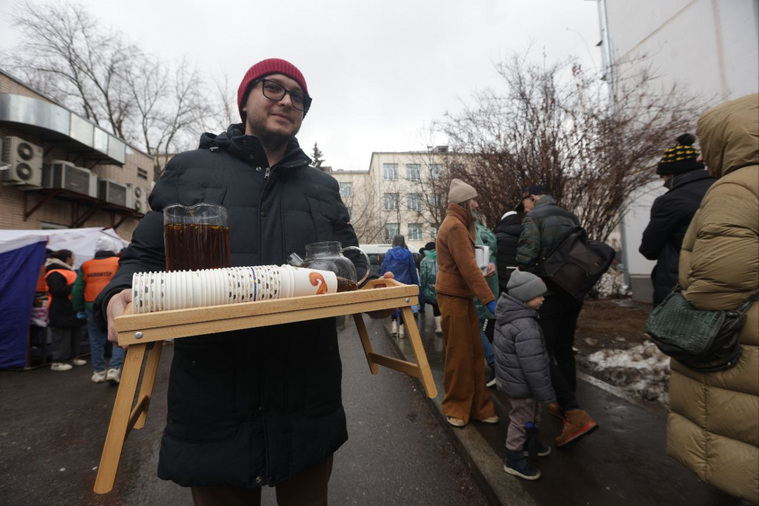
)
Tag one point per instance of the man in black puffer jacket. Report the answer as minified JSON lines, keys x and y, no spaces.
{"x":687,"y":181}
{"x":507,"y":232}
{"x":258,"y":406}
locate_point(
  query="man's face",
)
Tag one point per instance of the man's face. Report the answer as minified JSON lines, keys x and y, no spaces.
{"x":269,"y":120}
{"x":528,"y":204}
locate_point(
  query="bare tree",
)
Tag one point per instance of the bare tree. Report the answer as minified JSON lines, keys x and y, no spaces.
{"x":551,"y":125}
{"x":99,"y":74}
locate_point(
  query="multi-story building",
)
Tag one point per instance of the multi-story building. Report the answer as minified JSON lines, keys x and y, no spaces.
{"x":58,"y":170}
{"x":401,"y":193}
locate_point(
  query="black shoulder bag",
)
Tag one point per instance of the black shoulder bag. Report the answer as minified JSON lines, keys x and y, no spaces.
{"x":705,"y":341}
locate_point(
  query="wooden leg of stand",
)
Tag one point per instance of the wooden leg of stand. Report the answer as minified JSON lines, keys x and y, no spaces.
{"x":412,"y":332}
{"x":119,"y":426}
{"x":148,"y":380}
{"x":362,"y":332}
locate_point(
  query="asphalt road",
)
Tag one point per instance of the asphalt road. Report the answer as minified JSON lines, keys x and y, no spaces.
{"x":53,"y":425}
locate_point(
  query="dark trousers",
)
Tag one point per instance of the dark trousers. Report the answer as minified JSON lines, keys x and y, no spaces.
{"x":65,"y":342}
{"x":307,"y":488}
{"x":558,"y":319}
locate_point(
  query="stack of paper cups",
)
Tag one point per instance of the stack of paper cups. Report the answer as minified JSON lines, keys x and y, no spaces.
{"x":160,"y":291}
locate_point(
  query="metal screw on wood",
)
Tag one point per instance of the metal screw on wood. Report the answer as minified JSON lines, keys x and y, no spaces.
{"x":138,"y":335}
{"x":407,"y":299}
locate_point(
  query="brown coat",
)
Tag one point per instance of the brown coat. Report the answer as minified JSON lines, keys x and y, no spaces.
{"x":713,"y":425}
{"x":458,"y":274}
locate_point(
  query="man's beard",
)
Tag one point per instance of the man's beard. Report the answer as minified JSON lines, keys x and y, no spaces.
{"x":270,"y":140}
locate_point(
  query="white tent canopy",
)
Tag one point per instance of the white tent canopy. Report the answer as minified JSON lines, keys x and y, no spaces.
{"x":81,"y":241}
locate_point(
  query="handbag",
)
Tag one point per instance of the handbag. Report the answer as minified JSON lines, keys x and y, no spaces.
{"x":705,"y":341}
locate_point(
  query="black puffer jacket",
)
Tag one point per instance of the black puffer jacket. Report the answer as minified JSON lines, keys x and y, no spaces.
{"x":250,"y":407}
{"x":670,"y":216}
{"x":507,"y":231}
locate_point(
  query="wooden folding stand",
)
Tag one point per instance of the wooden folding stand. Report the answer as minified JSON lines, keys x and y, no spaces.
{"x":145,"y":333}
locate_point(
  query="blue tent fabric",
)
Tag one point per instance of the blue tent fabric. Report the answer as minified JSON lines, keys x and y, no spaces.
{"x":19,"y":269}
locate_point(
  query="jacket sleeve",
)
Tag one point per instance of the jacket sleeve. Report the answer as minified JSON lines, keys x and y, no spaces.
{"x":533,"y":359}
{"x":658,"y":231}
{"x":77,"y":292}
{"x":462,"y":252}
{"x":528,"y":249}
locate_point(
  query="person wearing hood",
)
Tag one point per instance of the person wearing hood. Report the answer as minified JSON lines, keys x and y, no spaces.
{"x":400,"y":262}
{"x":713,"y":423}
{"x":427,"y":276}
{"x":92,"y":277}
{"x":259,"y":406}
{"x":687,"y":181}
{"x":507,"y":233}
{"x":459,"y":280}
{"x":66,"y":329}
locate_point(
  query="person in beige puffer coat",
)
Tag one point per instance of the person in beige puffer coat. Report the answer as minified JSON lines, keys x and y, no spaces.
{"x":713,"y":424}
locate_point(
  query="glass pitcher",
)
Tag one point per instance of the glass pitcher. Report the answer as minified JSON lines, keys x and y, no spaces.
{"x":196,"y":237}
{"x":328,"y":256}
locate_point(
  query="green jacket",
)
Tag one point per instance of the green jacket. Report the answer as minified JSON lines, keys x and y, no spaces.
{"x":427,"y":275}
{"x":486,"y":237}
{"x":546,"y":224}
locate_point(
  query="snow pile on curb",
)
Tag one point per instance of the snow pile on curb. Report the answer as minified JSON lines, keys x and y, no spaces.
{"x":641,"y":370}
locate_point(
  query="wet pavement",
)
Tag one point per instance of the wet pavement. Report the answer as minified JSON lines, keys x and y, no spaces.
{"x":622,"y":463}
{"x":53,"y":426}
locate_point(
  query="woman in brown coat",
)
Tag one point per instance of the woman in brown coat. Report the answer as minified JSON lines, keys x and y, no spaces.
{"x":459,"y":279}
{"x":713,"y":424}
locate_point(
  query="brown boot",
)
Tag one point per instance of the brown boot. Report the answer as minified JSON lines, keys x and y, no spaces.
{"x":554,"y":409}
{"x":577,"y":424}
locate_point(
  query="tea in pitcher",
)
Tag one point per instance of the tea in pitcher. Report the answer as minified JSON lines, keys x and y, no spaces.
{"x":193,"y":247}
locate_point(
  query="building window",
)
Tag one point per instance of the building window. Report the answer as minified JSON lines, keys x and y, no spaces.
{"x":435,"y":200}
{"x":142,"y":173}
{"x":390,"y":201}
{"x":346,"y":189}
{"x":436,"y":171}
{"x":390,"y":171}
{"x":414,"y":202}
{"x":433,"y":232}
{"x":391,"y":230}
{"x":413,"y":171}
{"x":415,"y":231}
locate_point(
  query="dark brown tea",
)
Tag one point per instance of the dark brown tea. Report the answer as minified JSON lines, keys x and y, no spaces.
{"x":346,"y":285}
{"x":193,"y":247}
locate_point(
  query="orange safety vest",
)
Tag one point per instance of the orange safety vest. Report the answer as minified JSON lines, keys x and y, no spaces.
{"x":97,"y":274}
{"x":66,"y":273}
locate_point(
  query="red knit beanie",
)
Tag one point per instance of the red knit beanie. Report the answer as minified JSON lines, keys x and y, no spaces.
{"x":264,"y":68}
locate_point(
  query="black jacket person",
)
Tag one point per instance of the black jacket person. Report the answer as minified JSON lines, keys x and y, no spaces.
{"x":256,"y":406}
{"x":671,"y":213}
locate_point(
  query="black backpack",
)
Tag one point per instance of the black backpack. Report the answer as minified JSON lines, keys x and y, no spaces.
{"x":576,"y":263}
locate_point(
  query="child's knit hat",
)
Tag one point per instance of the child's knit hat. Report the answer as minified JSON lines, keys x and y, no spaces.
{"x":525,"y":286}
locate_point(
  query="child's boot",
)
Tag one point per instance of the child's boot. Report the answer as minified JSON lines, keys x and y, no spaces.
{"x":516,"y":464}
{"x":438,"y":328}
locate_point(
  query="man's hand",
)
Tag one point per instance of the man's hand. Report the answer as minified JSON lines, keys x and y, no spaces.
{"x":384,"y":313}
{"x":490,"y":270}
{"x":116,"y":307}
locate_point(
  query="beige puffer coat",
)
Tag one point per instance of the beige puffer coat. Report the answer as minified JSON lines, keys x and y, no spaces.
{"x":713,"y":424}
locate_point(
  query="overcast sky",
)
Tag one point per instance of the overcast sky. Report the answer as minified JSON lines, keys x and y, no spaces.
{"x":380,"y":73}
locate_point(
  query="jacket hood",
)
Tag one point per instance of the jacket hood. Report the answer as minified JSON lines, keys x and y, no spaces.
{"x":686,"y":177}
{"x":249,"y":147}
{"x":509,"y":309}
{"x":431,"y":253}
{"x":729,"y":135}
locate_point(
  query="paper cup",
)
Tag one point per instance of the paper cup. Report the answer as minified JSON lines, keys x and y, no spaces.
{"x":312,"y":282}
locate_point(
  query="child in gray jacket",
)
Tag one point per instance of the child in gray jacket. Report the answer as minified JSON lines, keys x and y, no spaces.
{"x":522,"y":370}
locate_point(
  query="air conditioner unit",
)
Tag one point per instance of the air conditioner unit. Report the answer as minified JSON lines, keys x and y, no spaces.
{"x":112,"y":192}
{"x":66,"y":176}
{"x":25,"y":160}
{"x":137,"y":198}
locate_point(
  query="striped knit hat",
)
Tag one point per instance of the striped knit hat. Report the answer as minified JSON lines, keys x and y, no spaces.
{"x":680,"y":158}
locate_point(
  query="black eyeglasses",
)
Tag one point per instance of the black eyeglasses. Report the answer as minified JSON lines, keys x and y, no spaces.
{"x":276,"y":92}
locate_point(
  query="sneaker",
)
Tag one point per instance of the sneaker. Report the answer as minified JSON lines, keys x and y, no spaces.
{"x":456,"y":422}
{"x":394,"y":328}
{"x":491,"y":420}
{"x":543,"y":450}
{"x":78,"y":362}
{"x":438,"y":328}
{"x":577,"y":424}
{"x":490,"y":377}
{"x":60,"y":366}
{"x":98,"y":377}
{"x":554,"y":409}
{"x":516,"y":465}
{"x":114,"y":376}
{"x":401,"y":331}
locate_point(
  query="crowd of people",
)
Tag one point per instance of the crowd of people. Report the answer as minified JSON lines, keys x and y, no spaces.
{"x":263,"y":406}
